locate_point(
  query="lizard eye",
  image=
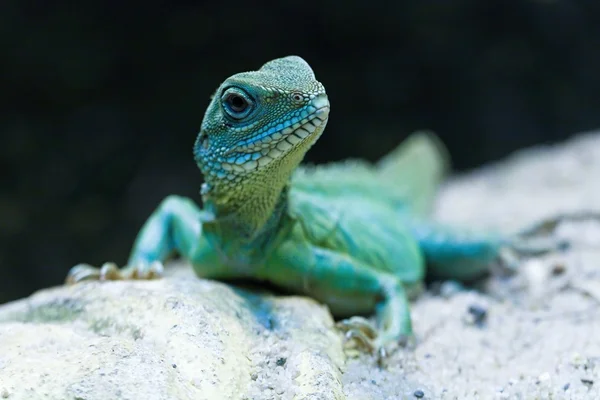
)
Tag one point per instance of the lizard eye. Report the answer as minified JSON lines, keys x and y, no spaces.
{"x":236,"y":103}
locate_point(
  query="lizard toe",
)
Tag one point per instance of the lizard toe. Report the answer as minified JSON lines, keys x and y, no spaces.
{"x":360,"y":332}
{"x":82,"y":272}
{"x":359,"y":324}
{"x":111,"y":272}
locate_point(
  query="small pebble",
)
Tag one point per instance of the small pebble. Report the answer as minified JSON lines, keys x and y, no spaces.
{"x":587,"y":382}
{"x":478,"y":313}
{"x":174,"y":365}
{"x":419,"y":394}
{"x":559,"y":269}
{"x":281,"y":361}
{"x":566,"y":387}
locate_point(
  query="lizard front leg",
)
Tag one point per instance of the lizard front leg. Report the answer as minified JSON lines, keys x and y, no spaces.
{"x":175,"y":227}
{"x":394,"y":325}
{"x":349,"y":287}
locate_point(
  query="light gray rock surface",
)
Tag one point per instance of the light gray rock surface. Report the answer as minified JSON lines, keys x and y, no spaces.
{"x":185,"y":338}
{"x":176,"y":338}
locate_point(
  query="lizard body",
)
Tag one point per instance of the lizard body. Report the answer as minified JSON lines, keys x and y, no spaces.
{"x":353,"y":235}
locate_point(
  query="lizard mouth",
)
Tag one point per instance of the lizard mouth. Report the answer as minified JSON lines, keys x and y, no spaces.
{"x":304,"y":130}
{"x":292,"y":131}
{"x":298,"y":132}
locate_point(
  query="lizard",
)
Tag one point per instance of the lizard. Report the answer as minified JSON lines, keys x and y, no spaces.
{"x":354,"y":235}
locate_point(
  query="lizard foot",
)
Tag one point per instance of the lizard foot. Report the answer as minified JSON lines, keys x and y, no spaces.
{"x":110,"y":272}
{"x":362,"y":332}
{"x":359,"y":330}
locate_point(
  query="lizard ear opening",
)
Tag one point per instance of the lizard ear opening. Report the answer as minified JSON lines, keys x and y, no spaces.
{"x":201,"y":146}
{"x":204,"y":141}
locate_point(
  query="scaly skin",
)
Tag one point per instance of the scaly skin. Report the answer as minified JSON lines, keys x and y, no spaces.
{"x":353,"y":235}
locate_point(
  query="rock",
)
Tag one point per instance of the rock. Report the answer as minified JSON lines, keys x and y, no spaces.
{"x":174,"y":338}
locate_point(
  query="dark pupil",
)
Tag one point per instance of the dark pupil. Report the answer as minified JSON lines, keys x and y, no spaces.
{"x":237,"y":103}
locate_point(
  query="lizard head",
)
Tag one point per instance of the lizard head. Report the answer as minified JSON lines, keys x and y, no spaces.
{"x":260,"y":124}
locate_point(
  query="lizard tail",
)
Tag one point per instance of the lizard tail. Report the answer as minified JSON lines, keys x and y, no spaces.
{"x":420,"y":163}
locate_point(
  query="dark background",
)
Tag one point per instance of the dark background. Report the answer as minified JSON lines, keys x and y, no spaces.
{"x":101,"y":102}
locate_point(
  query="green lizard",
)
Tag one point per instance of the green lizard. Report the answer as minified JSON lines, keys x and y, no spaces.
{"x":353,"y":235}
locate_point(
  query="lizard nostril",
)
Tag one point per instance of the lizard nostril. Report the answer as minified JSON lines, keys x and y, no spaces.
{"x":298,"y":98}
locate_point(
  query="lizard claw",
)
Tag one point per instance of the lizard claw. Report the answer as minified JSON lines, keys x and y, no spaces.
{"x":362,"y":332}
{"x":359,"y":324}
{"x":110,"y":272}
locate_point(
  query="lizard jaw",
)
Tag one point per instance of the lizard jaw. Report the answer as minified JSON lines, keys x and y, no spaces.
{"x":296,"y":135}
{"x":253,"y":154}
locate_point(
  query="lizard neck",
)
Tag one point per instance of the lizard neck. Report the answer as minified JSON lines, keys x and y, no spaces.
{"x":249,"y":209}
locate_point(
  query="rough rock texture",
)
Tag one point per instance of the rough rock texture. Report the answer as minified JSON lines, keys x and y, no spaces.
{"x":178,"y":338}
{"x":533,"y":335}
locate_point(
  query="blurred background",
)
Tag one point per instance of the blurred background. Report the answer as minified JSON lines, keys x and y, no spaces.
{"x":101,"y":101}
